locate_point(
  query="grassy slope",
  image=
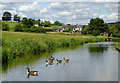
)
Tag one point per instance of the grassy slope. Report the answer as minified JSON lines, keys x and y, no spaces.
{"x":11,"y":24}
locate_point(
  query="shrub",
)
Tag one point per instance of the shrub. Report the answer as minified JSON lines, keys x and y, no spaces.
{"x":48,"y":30}
{"x":18,"y":27}
{"x":27,"y":29}
{"x":33,"y":27}
{"x":40,"y":30}
{"x":95,"y":33}
{"x":5,"y":27}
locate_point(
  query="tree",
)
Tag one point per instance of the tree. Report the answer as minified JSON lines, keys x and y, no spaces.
{"x":16,"y":18}
{"x":24,"y":22}
{"x":47,"y":24}
{"x":114,"y":30}
{"x":57,"y":23}
{"x":27,"y":23}
{"x":38,"y":22}
{"x":6,"y":16}
{"x":68,"y":24}
{"x":5,"y":27}
{"x":98,"y":26}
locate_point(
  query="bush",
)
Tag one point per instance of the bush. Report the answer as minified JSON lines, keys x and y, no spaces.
{"x":95,"y":33}
{"x":18,"y":27}
{"x":5,"y":27}
{"x":84,"y":32}
{"x":35,"y":29}
{"x":27,"y":29}
{"x":48,"y":30}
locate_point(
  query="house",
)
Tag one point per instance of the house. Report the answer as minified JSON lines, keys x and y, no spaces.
{"x":76,"y":29}
{"x":36,"y":25}
{"x":57,"y":29}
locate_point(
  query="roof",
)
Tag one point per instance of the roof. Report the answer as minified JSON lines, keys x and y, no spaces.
{"x":57,"y":28}
{"x":72,"y":26}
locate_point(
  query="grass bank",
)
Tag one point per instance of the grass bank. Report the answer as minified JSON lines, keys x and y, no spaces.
{"x":11,"y":25}
{"x":117,"y":46}
{"x":19,"y":44}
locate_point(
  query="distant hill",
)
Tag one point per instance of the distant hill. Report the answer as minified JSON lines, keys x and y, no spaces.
{"x":112,"y":23}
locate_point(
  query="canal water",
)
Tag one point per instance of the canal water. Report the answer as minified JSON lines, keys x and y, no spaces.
{"x":90,"y":62}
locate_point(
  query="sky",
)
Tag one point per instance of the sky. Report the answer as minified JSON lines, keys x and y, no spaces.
{"x":65,"y":12}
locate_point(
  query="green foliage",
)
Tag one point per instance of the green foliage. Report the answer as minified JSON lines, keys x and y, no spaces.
{"x":47,"y":24}
{"x":5,"y":57}
{"x":95,"y":33}
{"x":6,"y":16}
{"x":68,"y":24}
{"x":98,"y":25}
{"x":35,"y":29}
{"x":16,"y":18}
{"x":18,"y":27}
{"x":27,"y":23}
{"x":85,"y":30}
{"x":115,"y":30}
{"x":36,"y":44}
{"x":5,"y":27}
{"x":57,"y":23}
{"x":48,"y":30}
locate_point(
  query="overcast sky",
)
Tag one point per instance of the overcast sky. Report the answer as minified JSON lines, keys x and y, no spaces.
{"x":65,"y":12}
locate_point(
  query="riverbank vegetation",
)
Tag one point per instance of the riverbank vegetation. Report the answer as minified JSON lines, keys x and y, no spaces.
{"x":19,"y":44}
{"x":117,"y":46}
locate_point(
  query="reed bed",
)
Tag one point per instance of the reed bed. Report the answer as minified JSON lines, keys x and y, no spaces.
{"x":21,"y":45}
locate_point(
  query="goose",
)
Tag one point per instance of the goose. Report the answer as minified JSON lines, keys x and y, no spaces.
{"x":66,"y":60}
{"x":49,"y":62}
{"x":59,"y":61}
{"x":32,"y":73}
{"x":52,"y":58}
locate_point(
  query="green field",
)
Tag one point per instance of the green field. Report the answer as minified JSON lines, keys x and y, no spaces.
{"x":54,"y":26}
{"x":11,"y":24}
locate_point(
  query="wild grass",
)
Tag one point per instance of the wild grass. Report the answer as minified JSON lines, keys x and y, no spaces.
{"x":11,"y":24}
{"x":19,"y":44}
{"x":117,"y":45}
{"x":68,"y":34}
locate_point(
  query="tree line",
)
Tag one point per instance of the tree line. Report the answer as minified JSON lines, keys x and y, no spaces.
{"x":97,"y":26}
{"x":28,"y":22}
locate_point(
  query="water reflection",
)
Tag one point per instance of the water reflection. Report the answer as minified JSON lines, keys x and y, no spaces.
{"x":97,"y":48}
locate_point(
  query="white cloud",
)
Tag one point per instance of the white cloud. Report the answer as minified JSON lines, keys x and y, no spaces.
{"x":30,"y":8}
{"x":74,"y":13}
{"x":111,"y":6}
{"x":110,"y":18}
{"x":60,"y":0}
{"x":65,"y":13}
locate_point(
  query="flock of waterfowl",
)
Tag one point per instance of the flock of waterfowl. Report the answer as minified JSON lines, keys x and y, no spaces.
{"x":48,"y":62}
